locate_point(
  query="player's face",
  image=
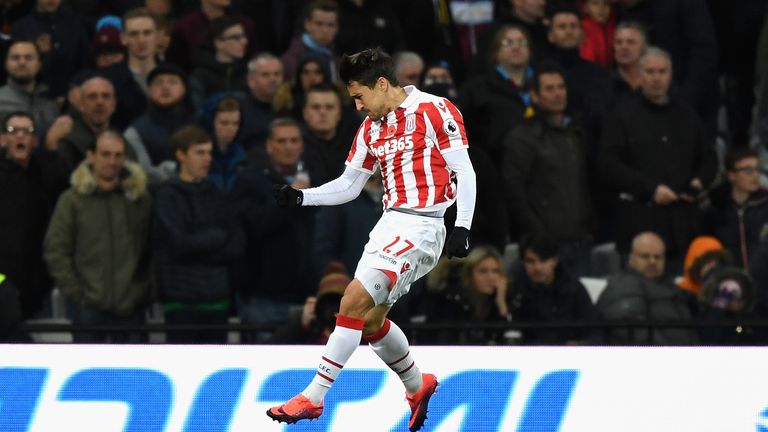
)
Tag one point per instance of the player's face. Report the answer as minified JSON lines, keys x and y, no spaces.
{"x":486,"y":276}
{"x":370,"y":101}
{"x":541,"y":271}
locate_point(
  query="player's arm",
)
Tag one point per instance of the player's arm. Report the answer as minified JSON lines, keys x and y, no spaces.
{"x":343,"y":189}
{"x":458,"y":161}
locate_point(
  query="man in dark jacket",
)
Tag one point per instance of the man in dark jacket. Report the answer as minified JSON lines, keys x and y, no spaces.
{"x":643,"y":292}
{"x":225,"y":68}
{"x":269,"y":285}
{"x":545,"y":173}
{"x":739,"y":212}
{"x":129,"y":77}
{"x":32,"y":180}
{"x":657,"y":157}
{"x":196,"y":238}
{"x":545,"y":291}
{"x":62,"y":40}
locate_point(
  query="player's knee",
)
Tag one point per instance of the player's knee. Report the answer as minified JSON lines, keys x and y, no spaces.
{"x":356,"y":301}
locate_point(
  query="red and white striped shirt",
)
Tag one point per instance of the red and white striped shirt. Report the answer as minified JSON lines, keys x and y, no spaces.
{"x":408,"y":146}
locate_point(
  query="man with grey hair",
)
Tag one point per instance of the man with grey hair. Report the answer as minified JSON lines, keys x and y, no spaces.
{"x":265,"y":75}
{"x":656,"y":154}
{"x":408,"y":68}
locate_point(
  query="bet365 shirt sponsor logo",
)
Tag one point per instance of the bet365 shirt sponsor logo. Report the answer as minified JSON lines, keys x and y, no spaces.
{"x":393,"y":145}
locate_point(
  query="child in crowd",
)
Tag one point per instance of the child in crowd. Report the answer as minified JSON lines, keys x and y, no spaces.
{"x":599,"y":23}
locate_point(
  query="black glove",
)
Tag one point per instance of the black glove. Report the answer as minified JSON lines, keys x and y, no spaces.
{"x":287,"y":196}
{"x":458,"y":243}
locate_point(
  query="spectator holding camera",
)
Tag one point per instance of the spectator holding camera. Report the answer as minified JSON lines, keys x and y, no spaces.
{"x":656,"y":154}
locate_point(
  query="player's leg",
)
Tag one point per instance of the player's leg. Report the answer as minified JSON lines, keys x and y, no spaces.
{"x":341,"y":344}
{"x":391,"y":345}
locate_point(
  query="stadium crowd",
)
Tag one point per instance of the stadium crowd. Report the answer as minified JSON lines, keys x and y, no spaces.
{"x":616,"y":142}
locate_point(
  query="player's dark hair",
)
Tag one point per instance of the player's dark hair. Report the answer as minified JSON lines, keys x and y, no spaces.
{"x":367,"y":66}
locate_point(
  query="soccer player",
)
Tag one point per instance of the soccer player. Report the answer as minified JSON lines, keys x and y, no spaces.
{"x":418,"y":142}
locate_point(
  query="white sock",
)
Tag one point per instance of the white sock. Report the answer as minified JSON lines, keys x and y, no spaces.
{"x":391,"y":345}
{"x":341,"y":344}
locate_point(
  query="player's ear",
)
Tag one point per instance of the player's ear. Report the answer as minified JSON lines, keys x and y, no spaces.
{"x":382,"y":83}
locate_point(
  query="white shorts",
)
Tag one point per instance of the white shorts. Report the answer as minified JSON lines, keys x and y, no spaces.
{"x":405,"y":244}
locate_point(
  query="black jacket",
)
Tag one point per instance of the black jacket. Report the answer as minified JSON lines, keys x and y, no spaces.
{"x":196,"y":238}
{"x":644,"y":145}
{"x":545,"y":177}
{"x":28,"y":197}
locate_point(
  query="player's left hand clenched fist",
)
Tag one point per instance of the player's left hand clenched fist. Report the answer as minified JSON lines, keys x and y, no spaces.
{"x":287,"y":196}
{"x":458,"y":243}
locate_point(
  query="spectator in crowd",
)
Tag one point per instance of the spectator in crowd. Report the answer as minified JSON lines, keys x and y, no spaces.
{"x":498,"y":100}
{"x":629,"y":44}
{"x":727,"y":294}
{"x":225,"y":68}
{"x":265,"y":75}
{"x":97,"y":242}
{"x":684,"y":29}
{"x":162,"y":37}
{"x":32,"y":180}
{"x":23,"y":92}
{"x":221,"y":119}
{"x":10,"y":314}
{"x":129,"y":77}
{"x":700,"y":251}
{"x":170,"y":107}
{"x":438,"y":80}
{"x":541,"y":182}
{"x":408,"y":68}
{"x":327,"y":137}
{"x":368,"y":23}
{"x":589,"y":85}
{"x":642,"y":292}
{"x":473,"y":290}
{"x":544,"y":291}
{"x":290,"y":96}
{"x":739,"y":207}
{"x":190,"y":32}
{"x":73,"y":138}
{"x":196,"y":238}
{"x":318,"y":315}
{"x":341,"y":232}
{"x":106,"y":48}
{"x":61,"y":40}
{"x":658,"y":158}
{"x":268,"y":284}
{"x":529,"y":15}
{"x":321,"y":25}
{"x":599,"y":24}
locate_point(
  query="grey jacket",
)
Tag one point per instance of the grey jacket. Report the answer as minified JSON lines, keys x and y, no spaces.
{"x":96,"y":246}
{"x":14,"y":98}
{"x":629,"y":296}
